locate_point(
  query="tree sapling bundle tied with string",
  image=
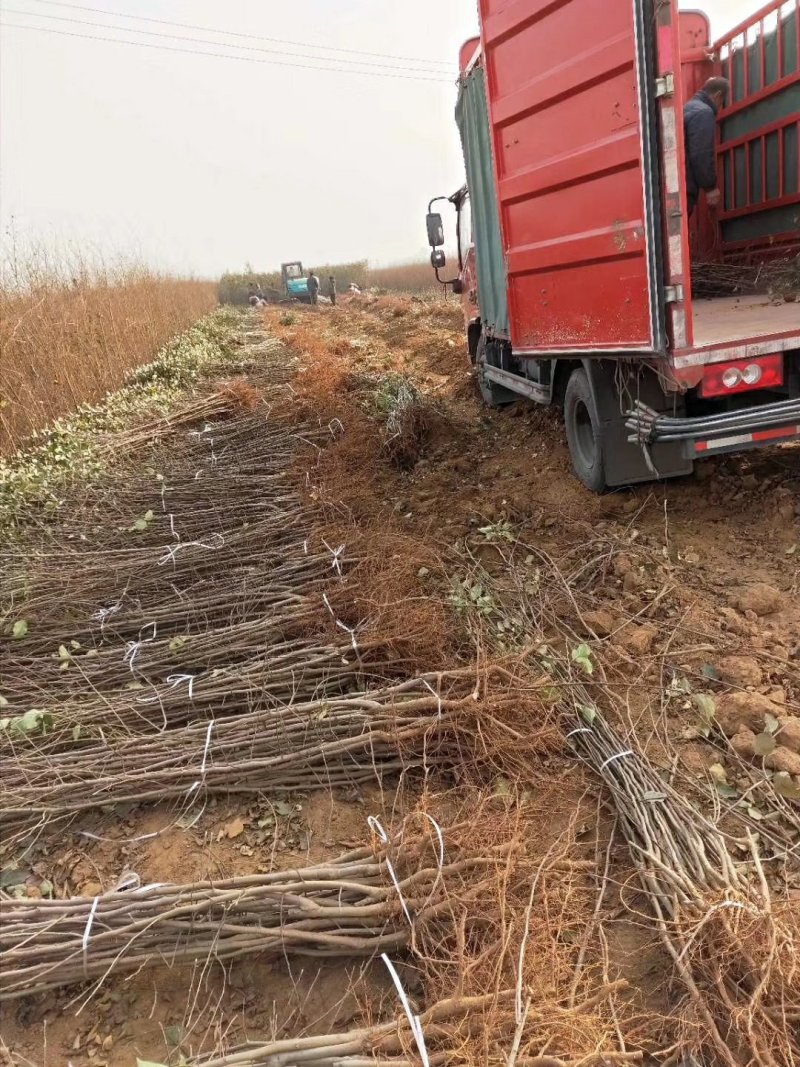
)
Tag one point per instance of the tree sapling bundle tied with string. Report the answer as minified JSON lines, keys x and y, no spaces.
{"x":324,"y":743}
{"x":356,"y":905}
{"x":734,"y":938}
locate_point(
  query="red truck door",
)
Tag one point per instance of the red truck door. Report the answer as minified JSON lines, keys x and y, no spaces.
{"x":572,"y":86}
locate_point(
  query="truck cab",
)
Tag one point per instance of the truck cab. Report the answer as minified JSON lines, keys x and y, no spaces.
{"x":666,"y":336}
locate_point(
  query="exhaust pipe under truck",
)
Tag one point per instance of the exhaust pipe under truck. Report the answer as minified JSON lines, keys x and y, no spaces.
{"x":666,"y":334}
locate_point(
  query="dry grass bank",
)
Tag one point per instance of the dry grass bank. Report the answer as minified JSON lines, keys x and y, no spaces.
{"x":63,"y":343}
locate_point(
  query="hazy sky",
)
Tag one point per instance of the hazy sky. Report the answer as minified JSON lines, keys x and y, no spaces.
{"x":199,"y":163}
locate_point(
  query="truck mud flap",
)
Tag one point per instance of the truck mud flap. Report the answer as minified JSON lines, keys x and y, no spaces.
{"x":715,"y":434}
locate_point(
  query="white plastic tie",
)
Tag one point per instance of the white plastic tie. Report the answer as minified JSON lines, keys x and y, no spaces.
{"x":172,"y":529}
{"x":580,"y":730}
{"x":104,"y":614}
{"x":439,"y":858}
{"x":335,"y":422}
{"x":440,"y":839}
{"x":216,"y":541}
{"x":129,"y":880}
{"x":616,"y":756}
{"x":375,"y":825}
{"x":337,"y":557}
{"x":438,"y":703}
{"x":202,"y":778}
{"x":413,"y":1020}
{"x":174,"y":680}
{"x":352,"y":633}
{"x":341,"y":625}
{"x":133,"y":648}
{"x":86,"y":935}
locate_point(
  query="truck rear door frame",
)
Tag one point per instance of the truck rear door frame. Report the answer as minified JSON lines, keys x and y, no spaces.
{"x":621,"y":229}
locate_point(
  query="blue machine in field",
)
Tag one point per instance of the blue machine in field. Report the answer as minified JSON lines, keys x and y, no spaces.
{"x":295,"y":282}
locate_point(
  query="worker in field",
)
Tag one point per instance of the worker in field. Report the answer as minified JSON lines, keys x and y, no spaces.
{"x":313,"y":287}
{"x":700,"y":138}
{"x":332,"y":290}
{"x":255,"y":297}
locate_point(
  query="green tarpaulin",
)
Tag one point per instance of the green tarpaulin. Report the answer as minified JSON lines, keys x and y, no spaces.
{"x":472,"y":117}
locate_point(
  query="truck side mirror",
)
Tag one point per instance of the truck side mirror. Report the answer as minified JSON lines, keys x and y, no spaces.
{"x":438,"y":259}
{"x":435,"y":229}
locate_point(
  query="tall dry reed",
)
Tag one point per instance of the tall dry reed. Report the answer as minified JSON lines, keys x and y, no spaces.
{"x":66,"y":339}
{"x":410,"y":277}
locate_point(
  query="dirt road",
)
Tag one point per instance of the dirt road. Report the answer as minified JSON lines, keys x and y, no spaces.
{"x":231,"y":603}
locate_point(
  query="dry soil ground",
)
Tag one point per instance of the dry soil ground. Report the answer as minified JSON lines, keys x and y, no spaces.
{"x":684,"y":597}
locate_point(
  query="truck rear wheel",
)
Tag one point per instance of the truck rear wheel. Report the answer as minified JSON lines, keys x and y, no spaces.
{"x":584,"y":436}
{"x":493,"y":395}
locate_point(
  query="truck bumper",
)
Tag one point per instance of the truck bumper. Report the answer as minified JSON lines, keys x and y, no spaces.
{"x":707,"y":435}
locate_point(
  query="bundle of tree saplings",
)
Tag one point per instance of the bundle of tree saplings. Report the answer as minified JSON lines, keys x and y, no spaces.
{"x":236,"y":396}
{"x":779,"y":277}
{"x":392,"y":1044}
{"x":198,"y":577}
{"x":734,"y":938}
{"x":228,"y":486}
{"x":148,"y":658}
{"x":353,"y":906}
{"x":450,"y":1032}
{"x":733,"y":945}
{"x":303,"y":746}
{"x":298,"y":671}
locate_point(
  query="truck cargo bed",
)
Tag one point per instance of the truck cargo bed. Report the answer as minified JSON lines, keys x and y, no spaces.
{"x":742,"y":318}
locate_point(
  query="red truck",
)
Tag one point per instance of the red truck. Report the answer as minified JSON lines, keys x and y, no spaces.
{"x":575,"y":243}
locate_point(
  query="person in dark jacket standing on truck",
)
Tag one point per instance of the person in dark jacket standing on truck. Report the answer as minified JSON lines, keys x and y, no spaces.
{"x":699,"y":130}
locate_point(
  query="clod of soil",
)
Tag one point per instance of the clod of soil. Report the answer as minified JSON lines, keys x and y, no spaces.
{"x":601,"y":622}
{"x":740,"y":670}
{"x":783,"y":759}
{"x":743,"y":743}
{"x":760,"y":598}
{"x":737,"y":710}
{"x":639,"y":640}
{"x":790,"y":732}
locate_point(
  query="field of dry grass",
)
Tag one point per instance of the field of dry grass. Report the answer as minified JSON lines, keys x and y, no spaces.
{"x":404,"y":277}
{"x":68,"y":341}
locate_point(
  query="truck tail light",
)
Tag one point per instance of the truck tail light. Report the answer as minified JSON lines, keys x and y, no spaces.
{"x":763,"y":372}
